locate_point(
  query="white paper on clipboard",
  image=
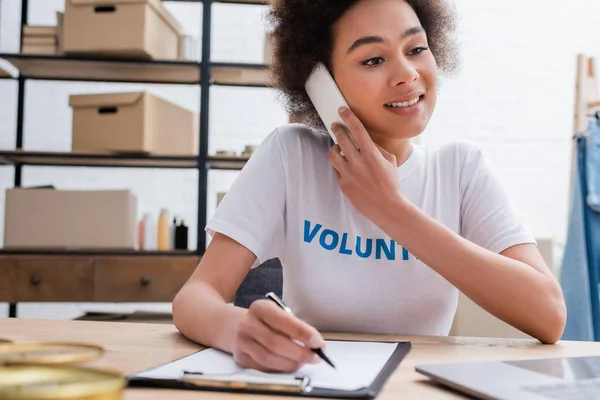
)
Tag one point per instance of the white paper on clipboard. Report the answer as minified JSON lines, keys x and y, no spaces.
{"x":357,"y":366}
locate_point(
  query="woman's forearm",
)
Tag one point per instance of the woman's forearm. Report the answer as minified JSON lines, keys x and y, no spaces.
{"x":509,"y":289}
{"x":202,"y":315}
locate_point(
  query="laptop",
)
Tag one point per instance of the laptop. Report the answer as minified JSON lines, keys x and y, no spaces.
{"x":537,"y":379}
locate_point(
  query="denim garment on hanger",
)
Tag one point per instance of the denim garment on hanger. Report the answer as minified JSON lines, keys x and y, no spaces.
{"x":593,"y":166}
{"x":592,"y":217}
{"x":574,"y":275}
{"x":580,"y":272}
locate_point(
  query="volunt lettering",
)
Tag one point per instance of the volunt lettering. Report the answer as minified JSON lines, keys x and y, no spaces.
{"x":353,"y":245}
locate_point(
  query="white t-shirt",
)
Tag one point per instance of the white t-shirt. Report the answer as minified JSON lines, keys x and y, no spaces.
{"x":340,"y":271}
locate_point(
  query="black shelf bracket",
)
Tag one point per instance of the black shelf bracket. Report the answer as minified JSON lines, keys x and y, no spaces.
{"x":204,"y":125}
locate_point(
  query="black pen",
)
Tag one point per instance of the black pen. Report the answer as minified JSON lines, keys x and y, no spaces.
{"x":272,"y":296}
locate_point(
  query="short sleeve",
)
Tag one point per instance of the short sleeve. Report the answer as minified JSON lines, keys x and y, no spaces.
{"x":488,"y":217}
{"x":252,"y":211}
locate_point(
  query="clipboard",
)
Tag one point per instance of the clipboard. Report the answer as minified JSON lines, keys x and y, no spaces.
{"x":256,"y":382}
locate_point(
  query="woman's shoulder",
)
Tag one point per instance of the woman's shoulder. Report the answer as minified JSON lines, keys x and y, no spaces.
{"x":294,"y":134}
{"x":296,"y":142}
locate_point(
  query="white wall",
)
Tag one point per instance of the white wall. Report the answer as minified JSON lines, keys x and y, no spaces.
{"x":514,"y":98}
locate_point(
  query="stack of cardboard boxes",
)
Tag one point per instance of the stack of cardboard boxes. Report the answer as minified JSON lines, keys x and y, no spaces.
{"x":39,"y":39}
{"x":127,"y":122}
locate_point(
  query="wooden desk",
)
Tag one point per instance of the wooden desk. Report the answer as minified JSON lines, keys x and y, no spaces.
{"x":134,"y":347}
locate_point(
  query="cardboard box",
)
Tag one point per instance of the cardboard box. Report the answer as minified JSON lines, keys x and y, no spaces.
{"x":39,"y":39}
{"x":39,"y":50}
{"x":70,"y":219}
{"x":220,"y":197}
{"x":60,"y":18}
{"x":132,"y":122}
{"x":49,"y":41}
{"x":268,"y":49}
{"x":40,"y":31}
{"x":121,"y":28}
{"x":243,"y":76}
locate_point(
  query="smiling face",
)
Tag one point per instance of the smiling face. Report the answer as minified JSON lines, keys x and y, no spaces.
{"x":383,"y":66}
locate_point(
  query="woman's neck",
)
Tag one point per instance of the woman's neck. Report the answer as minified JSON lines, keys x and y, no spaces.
{"x":401,"y":148}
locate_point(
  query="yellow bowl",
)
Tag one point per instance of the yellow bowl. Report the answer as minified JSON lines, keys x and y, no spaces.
{"x":48,"y":353}
{"x":45,"y":382}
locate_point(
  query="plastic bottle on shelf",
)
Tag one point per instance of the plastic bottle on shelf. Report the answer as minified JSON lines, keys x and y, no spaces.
{"x":172,"y":232}
{"x":181,"y":236}
{"x":149,"y":232}
{"x":140,"y":234}
{"x":164,"y":237}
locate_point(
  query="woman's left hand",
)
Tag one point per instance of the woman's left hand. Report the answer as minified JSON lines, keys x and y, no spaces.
{"x":368,"y":176}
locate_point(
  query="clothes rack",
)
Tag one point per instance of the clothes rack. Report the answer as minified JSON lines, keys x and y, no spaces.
{"x":587,"y":92}
{"x":587,"y":102}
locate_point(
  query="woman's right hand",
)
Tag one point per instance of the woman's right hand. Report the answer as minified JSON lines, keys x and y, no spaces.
{"x":267,"y":340}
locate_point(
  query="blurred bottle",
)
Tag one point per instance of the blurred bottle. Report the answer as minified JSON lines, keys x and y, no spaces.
{"x":149,"y":239}
{"x":164,"y":238}
{"x":172,"y":233}
{"x":140,"y":234}
{"x":181,"y":236}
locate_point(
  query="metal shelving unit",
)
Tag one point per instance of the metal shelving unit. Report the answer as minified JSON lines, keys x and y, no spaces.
{"x":92,"y":69}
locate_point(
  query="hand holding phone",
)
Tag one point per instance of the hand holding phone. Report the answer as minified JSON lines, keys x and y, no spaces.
{"x":327,"y":98}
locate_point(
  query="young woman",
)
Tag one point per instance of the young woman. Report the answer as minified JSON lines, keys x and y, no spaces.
{"x":377,"y":239}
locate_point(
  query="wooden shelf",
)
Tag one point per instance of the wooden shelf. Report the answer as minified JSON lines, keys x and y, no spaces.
{"x":227,"y":163}
{"x":65,"y":159}
{"x":45,"y":158}
{"x":232,"y":74}
{"x":94,"y":252}
{"x":5,"y":74}
{"x":260,"y":2}
{"x":104,"y":70}
{"x":63,"y":68}
{"x":257,"y":2}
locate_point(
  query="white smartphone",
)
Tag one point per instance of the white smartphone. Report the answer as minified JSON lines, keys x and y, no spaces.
{"x":326,"y":97}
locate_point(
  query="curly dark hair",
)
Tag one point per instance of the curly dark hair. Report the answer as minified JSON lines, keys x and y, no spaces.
{"x":302,"y":36}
